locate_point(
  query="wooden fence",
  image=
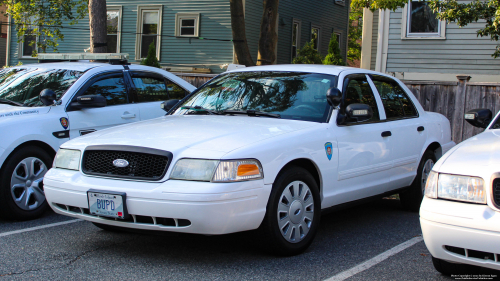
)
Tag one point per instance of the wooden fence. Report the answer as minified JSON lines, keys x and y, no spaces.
{"x":452,"y":99}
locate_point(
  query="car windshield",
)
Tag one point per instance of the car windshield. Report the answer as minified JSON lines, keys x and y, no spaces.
{"x":288,"y":95}
{"x":23,"y":85}
{"x":496,"y":124}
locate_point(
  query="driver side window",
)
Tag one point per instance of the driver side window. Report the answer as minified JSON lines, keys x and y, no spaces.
{"x":357,"y":90}
{"x":112,"y":88}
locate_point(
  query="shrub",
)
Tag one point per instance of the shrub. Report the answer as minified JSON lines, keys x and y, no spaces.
{"x":333,"y":57}
{"x":151,"y":59}
{"x":307,"y":55}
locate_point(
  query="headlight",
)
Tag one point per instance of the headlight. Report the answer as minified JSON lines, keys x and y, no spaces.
{"x":217,"y":171}
{"x":67,"y":159}
{"x":431,"y":185}
{"x":461,"y":188}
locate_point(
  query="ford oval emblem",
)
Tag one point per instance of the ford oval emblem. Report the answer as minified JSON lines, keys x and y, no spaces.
{"x":120,"y":163}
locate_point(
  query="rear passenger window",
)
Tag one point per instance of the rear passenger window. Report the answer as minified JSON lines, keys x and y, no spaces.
{"x":396,"y":102}
{"x":357,"y":90}
{"x":175,"y":91}
{"x":150,"y":89}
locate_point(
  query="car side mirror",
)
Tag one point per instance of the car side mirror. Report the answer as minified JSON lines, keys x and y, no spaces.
{"x":48,"y":97}
{"x":334,"y":96}
{"x":167,"y":105}
{"x":90,"y":101}
{"x":480,"y":117}
{"x":359,"y":112}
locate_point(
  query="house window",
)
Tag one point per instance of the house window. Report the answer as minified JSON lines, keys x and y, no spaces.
{"x":187,"y":24}
{"x":29,"y":44}
{"x":338,"y":36}
{"x":114,"y":29}
{"x":315,"y":36}
{"x":295,"y":37}
{"x":421,"y":21}
{"x":148,"y":29}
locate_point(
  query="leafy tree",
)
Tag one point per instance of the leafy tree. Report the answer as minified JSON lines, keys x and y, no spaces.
{"x":151,"y":59}
{"x":452,"y":11}
{"x":308,"y":55}
{"x":355,"y":34}
{"x":334,"y":57}
{"x":43,"y":19}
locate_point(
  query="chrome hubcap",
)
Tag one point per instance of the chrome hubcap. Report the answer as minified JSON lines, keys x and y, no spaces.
{"x":295,"y":211}
{"x":26,"y":183}
{"x":425,"y":173}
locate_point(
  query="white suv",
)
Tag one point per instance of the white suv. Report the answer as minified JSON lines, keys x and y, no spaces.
{"x":266,"y":146}
{"x":44,"y":105}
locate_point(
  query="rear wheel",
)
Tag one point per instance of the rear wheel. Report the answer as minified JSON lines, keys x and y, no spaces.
{"x":412,"y":197}
{"x":293,"y":213}
{"x":21,"y":184}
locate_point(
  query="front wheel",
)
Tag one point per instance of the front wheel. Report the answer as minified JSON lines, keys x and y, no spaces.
{"x":412,"y":197}
{"x":293,"y":213}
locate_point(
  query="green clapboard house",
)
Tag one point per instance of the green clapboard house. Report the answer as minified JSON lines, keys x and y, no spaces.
{"x":180,"y":30}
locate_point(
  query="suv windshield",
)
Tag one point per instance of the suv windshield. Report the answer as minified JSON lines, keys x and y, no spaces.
{"x":23,"y":85}
{"x":291,"y":95}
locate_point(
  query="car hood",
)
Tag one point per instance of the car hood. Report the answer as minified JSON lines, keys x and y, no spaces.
{"x":197,"y":134}
{"x":9,"y":111}
{"x":482,"y":150}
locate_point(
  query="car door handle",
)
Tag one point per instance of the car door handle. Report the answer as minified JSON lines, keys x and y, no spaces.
{"x":420,"y":129}
{"x":386,"y":134}
{"x":127,"y":115}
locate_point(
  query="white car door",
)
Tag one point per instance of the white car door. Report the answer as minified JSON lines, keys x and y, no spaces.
{"x":117,"y":111}
{"x":364,"y":148}
{"x":408,"y":131}
{"x":151,"y":89}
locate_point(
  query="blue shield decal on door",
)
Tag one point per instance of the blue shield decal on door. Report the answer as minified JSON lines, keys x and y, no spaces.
{"x":328,"y":149}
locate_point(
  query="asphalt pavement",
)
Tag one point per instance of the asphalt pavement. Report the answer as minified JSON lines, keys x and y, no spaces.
{"x":346,"y":238}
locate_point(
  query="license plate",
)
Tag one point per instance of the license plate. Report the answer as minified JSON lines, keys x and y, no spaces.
{"x":107,"y":204}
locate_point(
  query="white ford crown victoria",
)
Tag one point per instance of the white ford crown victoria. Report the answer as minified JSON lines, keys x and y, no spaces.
{"x":266,"y":147}
{"x":44,"y":105}
{"x":460,"y":214}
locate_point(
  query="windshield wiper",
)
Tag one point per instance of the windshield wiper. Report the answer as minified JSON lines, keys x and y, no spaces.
{"x":200,"y":108}
{"x":251,"y":112}
{"x":4,"y":101}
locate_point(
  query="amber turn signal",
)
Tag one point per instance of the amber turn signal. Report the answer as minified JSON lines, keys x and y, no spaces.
{"x":248,"y":170}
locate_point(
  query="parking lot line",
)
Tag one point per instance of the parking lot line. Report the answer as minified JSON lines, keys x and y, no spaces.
{"x":375,"y":260}
{"x":38,"y":227}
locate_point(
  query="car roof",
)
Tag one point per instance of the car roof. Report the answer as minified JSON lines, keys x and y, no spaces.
{"x":311,"y":68}
{"x":78,"y":66}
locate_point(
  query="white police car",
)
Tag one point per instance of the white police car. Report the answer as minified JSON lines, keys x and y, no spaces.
{"x":266,"y":147}
{"x":460,"y":214}
{"x":44,"y":105}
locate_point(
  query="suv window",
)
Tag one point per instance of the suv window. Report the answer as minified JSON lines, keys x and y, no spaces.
{"x":357,"y":90}
{"x":175,"y":91}
{"x":111,"y":87}
{"x":149,"y":88}
{"x":396,"y":102}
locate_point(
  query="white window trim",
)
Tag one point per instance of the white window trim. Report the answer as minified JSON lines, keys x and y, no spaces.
{"x":119,"y":9}
{"x":138,"y":40}
{"x":181,"y":16}
{"x":319,"y":35}
{"x":299,"y":27}
{"x":21,"y":50}
{"x":339,"y":36}
{"x":440,"y":35}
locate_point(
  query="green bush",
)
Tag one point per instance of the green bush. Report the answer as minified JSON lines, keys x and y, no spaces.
{"x":151,"y":59}
{"x":307,"y":55}
{"x":333,"y":57}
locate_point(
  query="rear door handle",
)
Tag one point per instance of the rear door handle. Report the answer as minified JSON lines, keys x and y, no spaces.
{"x":127,"y":115}
{"x":420,"y":129}
{"x":386,"y":134}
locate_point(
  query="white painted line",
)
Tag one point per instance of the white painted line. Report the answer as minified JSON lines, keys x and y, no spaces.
{"x":38,"y":227}
{"x":375,"y":260}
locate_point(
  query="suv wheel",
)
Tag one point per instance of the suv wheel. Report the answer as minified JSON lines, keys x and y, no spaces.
{"x":293,"y":213}
{"x":412,"y":197}
{"x":21,"y":186}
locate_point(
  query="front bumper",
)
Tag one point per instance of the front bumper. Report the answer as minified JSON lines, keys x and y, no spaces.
{"x":472,"y":230}
{"x":210,"y":208}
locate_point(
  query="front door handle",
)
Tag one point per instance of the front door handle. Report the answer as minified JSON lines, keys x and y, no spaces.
{"x":386,"y":134}
{"x":127,"y":115}
{"x":420,"y":129}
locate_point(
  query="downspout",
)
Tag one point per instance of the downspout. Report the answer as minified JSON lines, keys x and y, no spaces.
{"x":382,"y":40}
{"x":7,"y":55}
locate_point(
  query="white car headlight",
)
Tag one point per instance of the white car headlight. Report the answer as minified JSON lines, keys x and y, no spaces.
{"x":431,"y":185}
{"x":217,"y":171}
{"x":67,"y":159}
{"x":461,"y":188}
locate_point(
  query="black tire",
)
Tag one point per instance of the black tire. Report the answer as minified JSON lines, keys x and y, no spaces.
{"x":411,"y":198}
{"x":110,"y":228}
{"x":448,"y":268}
{"x":8,"y":208}
{"x":273,"y":240}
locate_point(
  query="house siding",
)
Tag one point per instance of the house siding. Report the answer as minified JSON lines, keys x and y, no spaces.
{"x":327,"y":15}
{"x":374,"y":40}
{"x":461,"y":52}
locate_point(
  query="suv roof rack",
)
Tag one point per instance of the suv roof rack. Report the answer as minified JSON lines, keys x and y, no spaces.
{"x":111,"y":58}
